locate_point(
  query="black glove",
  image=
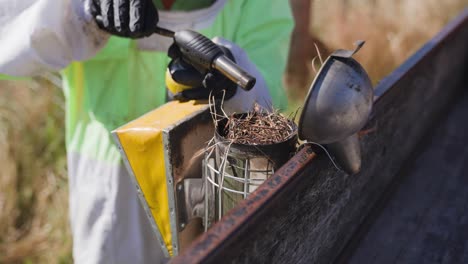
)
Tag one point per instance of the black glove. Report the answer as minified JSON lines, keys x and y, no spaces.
{"x":126,"y":18}
{"x":204,"y":83}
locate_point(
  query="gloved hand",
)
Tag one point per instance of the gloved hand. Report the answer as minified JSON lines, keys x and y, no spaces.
{"x":126,"y":18}
{"x":235,"y":99}
{"x":195,"y":84}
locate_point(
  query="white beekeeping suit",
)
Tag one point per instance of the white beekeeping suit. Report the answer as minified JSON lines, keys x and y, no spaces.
{"x":46,"y":35}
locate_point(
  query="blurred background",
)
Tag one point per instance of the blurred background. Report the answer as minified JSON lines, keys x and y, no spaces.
{"x":33,"y":176}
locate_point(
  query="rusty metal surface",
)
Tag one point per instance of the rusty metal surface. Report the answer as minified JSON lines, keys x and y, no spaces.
{"x":185,"y":143}
{"x":187,"y":139}
{"x":308,"y":211}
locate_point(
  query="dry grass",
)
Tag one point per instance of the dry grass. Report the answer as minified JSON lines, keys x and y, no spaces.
{"x":33,"y":186}
{"x":259,"y":127}
{"x":393,"y":30}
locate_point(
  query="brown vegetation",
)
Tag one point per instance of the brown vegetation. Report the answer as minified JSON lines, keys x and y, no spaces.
{"x":33,"y":185}
{"x":258,"y":128}
{"x":393,"y":30}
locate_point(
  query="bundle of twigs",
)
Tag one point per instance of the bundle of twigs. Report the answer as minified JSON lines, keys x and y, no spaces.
{"x":258,"y":127}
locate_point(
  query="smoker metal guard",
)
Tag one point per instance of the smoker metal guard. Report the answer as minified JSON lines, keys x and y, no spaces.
{"x":232,"y":171}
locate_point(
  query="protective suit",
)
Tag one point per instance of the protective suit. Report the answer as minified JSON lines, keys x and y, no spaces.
{"x":109,"y":81}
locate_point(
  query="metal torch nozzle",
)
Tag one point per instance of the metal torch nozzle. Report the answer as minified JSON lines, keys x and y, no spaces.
{"x":235,"y":73}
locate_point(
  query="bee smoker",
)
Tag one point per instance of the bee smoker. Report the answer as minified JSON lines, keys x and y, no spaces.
{"x":232,"y":171}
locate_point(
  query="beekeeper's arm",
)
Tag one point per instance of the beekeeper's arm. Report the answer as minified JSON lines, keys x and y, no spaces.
{"x":46,"y":35}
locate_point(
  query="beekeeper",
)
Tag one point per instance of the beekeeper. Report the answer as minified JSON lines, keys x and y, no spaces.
{"x":110,"y":80}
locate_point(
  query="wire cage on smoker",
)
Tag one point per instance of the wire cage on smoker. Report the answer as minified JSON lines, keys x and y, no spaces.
{"x":232,"y":171}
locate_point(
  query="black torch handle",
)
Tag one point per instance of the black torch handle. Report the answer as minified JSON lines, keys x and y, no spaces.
{"x":203,"y":53}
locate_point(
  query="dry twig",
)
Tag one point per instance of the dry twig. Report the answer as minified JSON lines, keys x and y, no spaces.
{"x":258,"y":127}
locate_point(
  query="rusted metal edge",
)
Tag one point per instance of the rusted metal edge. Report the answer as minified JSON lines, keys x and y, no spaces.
{"x":425,"y":51}
{"x":213,"y":240}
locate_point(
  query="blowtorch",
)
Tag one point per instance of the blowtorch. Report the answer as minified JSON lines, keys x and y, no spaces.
{"x":203,"y":54}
